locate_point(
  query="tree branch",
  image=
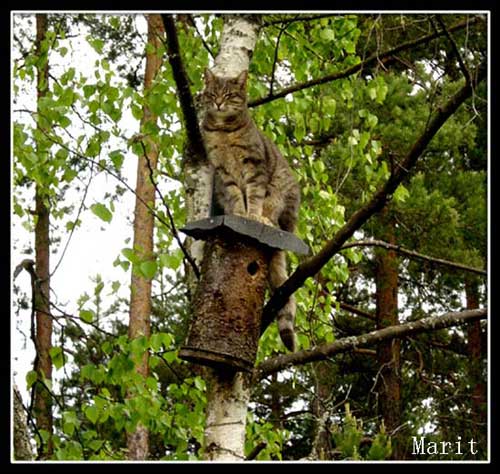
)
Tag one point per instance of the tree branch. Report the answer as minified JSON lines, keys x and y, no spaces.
{"x":359,"y":312}
{"x":297,"y":18}
{"x":314,"y":264}
{"x":413,"y":254}
{"x":325,"y":351}
{"x":358,"y":67}
{"x":196,"y":148}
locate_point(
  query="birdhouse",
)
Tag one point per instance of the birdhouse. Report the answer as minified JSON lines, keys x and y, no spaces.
{"x":227,"y":306}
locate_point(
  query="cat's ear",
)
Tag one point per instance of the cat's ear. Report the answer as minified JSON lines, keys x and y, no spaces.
{"x":241,"y":80}
{"x":209,"y":76}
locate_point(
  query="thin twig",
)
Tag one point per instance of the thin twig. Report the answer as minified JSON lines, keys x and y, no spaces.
{"x":169,"y":214}
{"x":413,"y":254}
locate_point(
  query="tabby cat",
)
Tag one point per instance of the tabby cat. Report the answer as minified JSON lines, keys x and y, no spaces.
{"x":252,"y":179}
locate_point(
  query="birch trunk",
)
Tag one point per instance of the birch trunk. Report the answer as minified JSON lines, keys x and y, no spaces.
{"x":228,"y":394}
{"x":22,"y":445}
{"x":140,"y":288}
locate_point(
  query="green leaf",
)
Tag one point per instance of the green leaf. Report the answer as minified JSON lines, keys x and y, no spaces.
{"x":152,"y":383}
{"x":101,"y":211}
{"x":96,"y":43}
{"x":170,"y":356}
{"x":107,"y":347}
{"x":88,"y":371}
{"x":200,"y":384}
{"x":327,"y":35}
{"x":401,"y":193}
{"x":117,"y":158}
{"x":89,"y":90}
{"x":148,"y":269}
{"x":92,"y":413}
{"x":87,"y":315}
{"x":31,"y":378}
{"x":172,"y":260}
{"x":57,"y":356}
{"x":130,"y":255}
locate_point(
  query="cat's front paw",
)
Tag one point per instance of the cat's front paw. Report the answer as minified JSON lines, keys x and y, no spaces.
{"x":261,"y":219}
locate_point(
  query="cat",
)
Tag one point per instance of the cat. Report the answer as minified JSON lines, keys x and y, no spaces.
{"x":252,"y":179}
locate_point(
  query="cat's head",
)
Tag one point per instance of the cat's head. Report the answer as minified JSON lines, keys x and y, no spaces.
{"x":225,"y":99}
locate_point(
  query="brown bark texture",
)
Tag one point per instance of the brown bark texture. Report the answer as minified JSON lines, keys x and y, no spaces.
{"x":140,"y":298}
{"x":43,"y":364}
{"x":388,"y":352}
{"x":476,"y":351}
{"x":227,"y":305}
{"x":322,"y":445}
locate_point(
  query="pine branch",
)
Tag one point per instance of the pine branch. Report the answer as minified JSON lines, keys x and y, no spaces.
{"x":326,"y":351}
{"x":314,"y":264}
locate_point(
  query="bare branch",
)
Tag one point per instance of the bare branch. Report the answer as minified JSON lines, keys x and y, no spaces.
{"x":455,"y":50}
{"x":325,"y":351}
{"x":413,"y":254}
{"x":195,"y":144}
{"x":255,"y":451}
{"x":357,"y":311}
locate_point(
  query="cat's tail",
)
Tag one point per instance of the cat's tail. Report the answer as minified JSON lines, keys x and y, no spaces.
{"x":286,"y":315}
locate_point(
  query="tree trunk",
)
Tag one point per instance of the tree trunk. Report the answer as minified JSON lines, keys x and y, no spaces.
{"x":322,"y":444}
{"x":228,"y":395}
{"x":388,"y":353}
{"x":22,"y":446}
{"x":475,"y":351}
{"x":43,"y":337}
{"x":140,"y":290}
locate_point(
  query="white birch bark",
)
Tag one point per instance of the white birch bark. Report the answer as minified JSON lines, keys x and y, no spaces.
{"x":238,"y":40}
{"x":227,"y":403}
{"x":22,"y":445}
{"x":228,"y":395}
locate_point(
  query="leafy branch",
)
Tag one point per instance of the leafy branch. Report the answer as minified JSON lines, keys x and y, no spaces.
{"x":314,"y":264}
{"x":361,"y":65}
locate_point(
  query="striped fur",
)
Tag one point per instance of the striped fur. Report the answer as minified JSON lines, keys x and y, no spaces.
{"x":252,"y":178}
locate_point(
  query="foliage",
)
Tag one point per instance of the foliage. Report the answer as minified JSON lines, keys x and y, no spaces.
{"x":343,"y":138}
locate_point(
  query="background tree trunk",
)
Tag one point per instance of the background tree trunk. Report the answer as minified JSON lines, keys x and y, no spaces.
{"x":22,"y":446}
{"x":388,"y":353}
{"x":475,"y":350}
{"x":43,"y":363}
{"x":140,"y":290}
{"x":322,"y":444}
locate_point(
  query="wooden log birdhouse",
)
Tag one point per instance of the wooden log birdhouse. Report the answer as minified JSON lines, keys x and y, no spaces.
{"x":228,"y":303}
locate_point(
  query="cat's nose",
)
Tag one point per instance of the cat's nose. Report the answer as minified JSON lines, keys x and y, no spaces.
{"x":218,"y":103}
